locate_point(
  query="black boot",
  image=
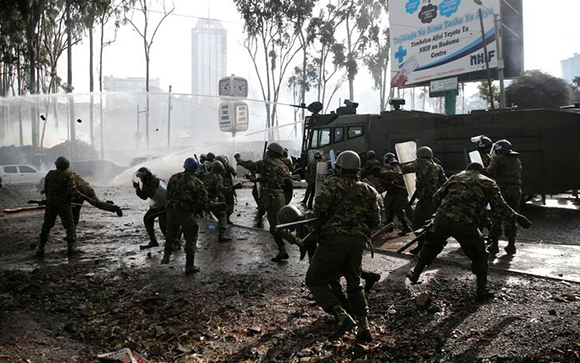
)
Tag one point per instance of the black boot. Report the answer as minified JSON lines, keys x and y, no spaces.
{"x":364,"y":331}
{"x":71,"y":249}
{"x":190,"y":268}
{"x":371,"y":278}
{"x":223,"y":237}
{"x":482,"y":291}
{"x":152,"y":243}
{"x":40,"y":251}
{"x":344,"y":323}
{"x":493,"y":247}
{"x":413,"y":276}
{"x":119,"y":212}
{"x":511,"y":247}
{"x":166,"y":254}
{"x":282,"y":255}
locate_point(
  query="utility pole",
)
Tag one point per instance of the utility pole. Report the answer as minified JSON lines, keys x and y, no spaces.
{"x":500,"y":63}
{"x":486,"y":59}
{"x":169,"y":119}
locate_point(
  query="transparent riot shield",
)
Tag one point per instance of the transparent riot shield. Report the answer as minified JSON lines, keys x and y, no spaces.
{"x":158,"y":199}
{"x":407,"y":152}
{"x":321,"y":174}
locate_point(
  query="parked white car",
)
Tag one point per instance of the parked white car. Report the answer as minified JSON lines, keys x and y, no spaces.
{"x":20,"y":175}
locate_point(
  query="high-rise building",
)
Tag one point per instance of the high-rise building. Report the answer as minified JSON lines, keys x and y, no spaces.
{"x":571,"y":68}
{"x":209,"y":56}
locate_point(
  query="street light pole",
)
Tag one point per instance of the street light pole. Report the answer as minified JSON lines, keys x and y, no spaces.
{"x":486,"y":59}
{"x":500,"y":63}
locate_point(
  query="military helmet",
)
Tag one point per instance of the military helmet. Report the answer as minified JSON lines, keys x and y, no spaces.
{"x":475,"y":166}
{"x":318,"y":155}
{"x":348,"y":160}
{"x":222,"y":159}
{"x":288,"y":214}
{"x":210,"y":156}
{"x":144,"y":173}
{"x":217,"y":167}
{"x":425,"y":152}
{"x":503,"y":147}
{"x":371,"y":154}
{"x":276,"y":148}
{"x":484,"y":143}
{"x":202,"y":158}
{"x":390,"y":158}
{"x":190,"y":164}
{"x":62,"y":163}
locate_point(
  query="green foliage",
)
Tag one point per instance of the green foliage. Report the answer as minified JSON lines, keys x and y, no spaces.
{"x":536,"y":89}
{"x":483,"y":89}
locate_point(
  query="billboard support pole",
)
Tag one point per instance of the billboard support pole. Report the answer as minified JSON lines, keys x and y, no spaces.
{"x":486,"y":60}
{"x":450,"y":102}
{"x":500,"y":64}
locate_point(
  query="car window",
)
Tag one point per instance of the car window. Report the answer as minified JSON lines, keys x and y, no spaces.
{"x":355,"y":131}
{"x":26,"y":169}
{"x":320,"y":137}
{"x":10,"y":170}
{"x":338,"y":134}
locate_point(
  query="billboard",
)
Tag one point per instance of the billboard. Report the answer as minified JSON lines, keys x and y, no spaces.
{"x":432,"y":39}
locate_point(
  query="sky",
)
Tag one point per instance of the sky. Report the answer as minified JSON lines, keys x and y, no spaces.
{"x":550,"y":35}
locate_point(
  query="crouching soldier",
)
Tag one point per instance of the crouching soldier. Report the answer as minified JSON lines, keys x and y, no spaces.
{"x":60,"y":189}
{"x":349,"y":210}
{"x":186,"y":198}
{"x":459,"y":203}
{"x":155,"y":190}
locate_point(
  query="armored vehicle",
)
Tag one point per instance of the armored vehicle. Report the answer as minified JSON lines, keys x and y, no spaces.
{"x":548,"y":140}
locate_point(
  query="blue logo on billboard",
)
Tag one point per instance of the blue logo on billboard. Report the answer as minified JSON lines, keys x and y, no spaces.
{"x":449,"y":7}
{"x":401,"y":53}
{"x":412,"y":6}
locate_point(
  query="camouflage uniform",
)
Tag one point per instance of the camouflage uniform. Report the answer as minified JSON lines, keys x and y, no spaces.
{"x":506,"y":170}
{"x":229,"y":192}
{"x":145,"y":192}
{"x":60,"y":188}
{"x":430,"y":177}
{"x":87,"y":192}
{"x":349,"y":210}
{"x":216,"y":190}
{"x":274,"y":175}
{"x":397,"y":196}
{"x":459,"y":203}
{"x":186,"y":198}
{"x":369,"y":165}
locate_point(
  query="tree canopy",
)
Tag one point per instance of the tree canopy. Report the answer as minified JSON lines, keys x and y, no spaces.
{"x":536,"y":89}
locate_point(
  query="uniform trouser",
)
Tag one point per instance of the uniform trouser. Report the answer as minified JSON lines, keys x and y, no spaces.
{"x":219,"y":210}
{"x":272,"y":202}
{"x":149,"y":221}
{"x":257,"y":198}
{"x":181,"y":220}
{"x":513,"y":197}
{"x":468,"y":236}
{"x":309,"y":195}
{"x":63,"y":211}
{"x":423,"y":212}
{"x":230,"y":202}
{"x":395,"y":206}
{"x":337,"y":256}
{"x":95,"y":201}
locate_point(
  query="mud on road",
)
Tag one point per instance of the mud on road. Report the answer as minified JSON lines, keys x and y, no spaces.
{"x":242,"y":307}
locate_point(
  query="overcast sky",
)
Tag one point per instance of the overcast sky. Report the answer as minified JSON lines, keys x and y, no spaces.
{"x":551,"y":34}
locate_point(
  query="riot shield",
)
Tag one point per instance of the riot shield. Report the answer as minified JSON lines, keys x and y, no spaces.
{"x":475,"y":157}
{"x":158,"y":199}
{"x":407,"y":152}
{"x":321,"y":174}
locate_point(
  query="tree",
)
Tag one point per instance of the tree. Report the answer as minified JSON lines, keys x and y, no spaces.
{"x":299,"y":86}
{"x":575,"y":89}
{"x":272,"y":43}
{"x":377,"y":58}
{"x":536,"y":89}
{"x":148,"y":38}
{"x":483,"y":89}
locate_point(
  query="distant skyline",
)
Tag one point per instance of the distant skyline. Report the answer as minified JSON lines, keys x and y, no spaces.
{"x":550,"y":35}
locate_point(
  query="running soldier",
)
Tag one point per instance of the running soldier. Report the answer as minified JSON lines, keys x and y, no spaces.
{"x":349,"y":210}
